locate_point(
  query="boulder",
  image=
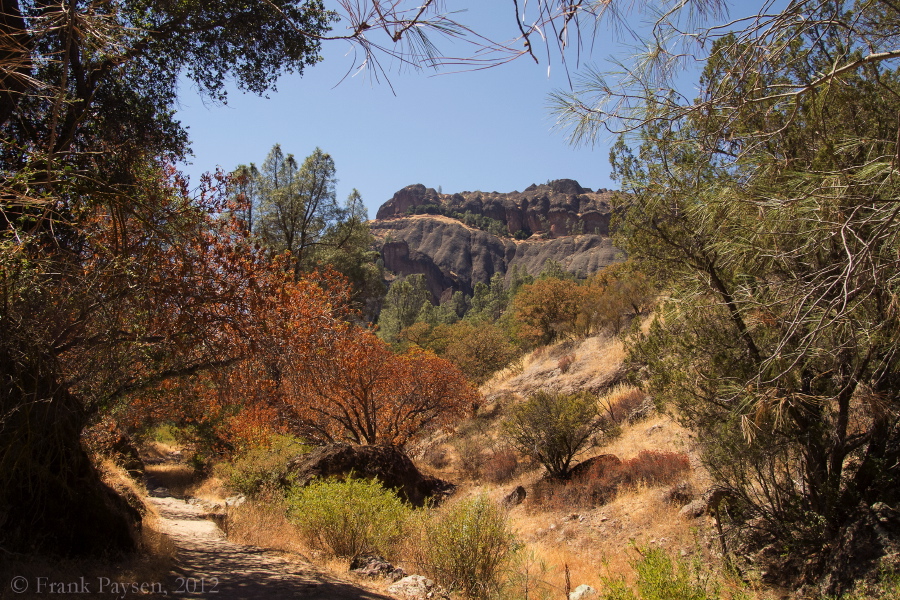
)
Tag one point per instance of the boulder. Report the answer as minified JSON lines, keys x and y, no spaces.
{"x":417,"y":587}
{"x":389,"y":465}
{"x":515,"y":497}
{"x":694,"y":509}
{"x":583,"y":592}
{"x":679,"y":494}
{"x":373,"y":565}
{"x":594,"y":467}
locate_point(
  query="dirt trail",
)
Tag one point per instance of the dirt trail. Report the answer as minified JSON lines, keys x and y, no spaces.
{"x":209,"y":566}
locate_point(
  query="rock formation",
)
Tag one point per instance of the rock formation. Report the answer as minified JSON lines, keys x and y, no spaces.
{"x":422,"y":231}
{"x":389,"y":465}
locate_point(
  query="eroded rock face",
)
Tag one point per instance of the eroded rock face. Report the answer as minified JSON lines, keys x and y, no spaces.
{"x":387,"y":464}
{"x":558,"y":208}
{"x":453,"y":257}
{"x":562,"y":221}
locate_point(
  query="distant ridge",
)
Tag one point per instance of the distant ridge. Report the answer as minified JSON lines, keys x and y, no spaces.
{"x":458,"y":240}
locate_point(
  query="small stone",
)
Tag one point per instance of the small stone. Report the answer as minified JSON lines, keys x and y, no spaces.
{"x":693,"y":510}
{"x":417,"y":587}
{"x":515,"y":497}
{"x":583,"y":592}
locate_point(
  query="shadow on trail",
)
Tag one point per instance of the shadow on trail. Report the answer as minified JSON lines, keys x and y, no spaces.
{"x":209,"y":566}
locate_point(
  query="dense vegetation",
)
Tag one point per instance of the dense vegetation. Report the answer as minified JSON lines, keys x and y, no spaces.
{"x":766,"y":207}
{"x":762,"y":212}
{"x":125,"y":295}
{"x":487,"y":331}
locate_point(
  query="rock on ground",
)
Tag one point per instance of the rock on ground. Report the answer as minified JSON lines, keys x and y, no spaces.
{"x":418,"y":587}
{"x":583,"y":592}
{"x":387,"y":464}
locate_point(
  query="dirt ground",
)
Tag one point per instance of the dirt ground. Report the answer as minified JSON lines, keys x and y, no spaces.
{"x":210,"y":566}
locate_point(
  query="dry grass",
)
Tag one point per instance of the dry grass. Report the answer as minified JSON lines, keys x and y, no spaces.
{"x":600,"y":540}
{"x":571,"y":366}
{"x":264,"y":523}
{"x":212,"y":490}
{"x":180,"y":479}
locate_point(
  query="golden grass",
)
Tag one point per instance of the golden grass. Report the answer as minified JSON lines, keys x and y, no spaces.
{"x":591,"y":363}
{"x":180,"y":479}
{"x":264,"y":523}
{"x":601,"y":540}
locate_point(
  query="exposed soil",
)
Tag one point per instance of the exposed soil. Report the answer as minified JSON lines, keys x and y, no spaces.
{"x":210,"y":566}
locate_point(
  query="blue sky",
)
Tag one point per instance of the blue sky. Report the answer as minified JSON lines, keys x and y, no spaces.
{"x":487,"y":130}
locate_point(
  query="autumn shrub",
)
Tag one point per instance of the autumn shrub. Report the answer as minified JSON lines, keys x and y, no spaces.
{"x":350,"y":517}
{"x":260,"y":469}
{"x":600,"y":483}
{"x":467,"y":546}
{"x":565,"y":362}
{"x":651,"y":467}
{"x":619,"y":403}
{"x":500,"y":466}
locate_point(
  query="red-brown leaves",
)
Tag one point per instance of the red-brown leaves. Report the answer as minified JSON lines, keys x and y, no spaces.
{"x":174,"y":311}
{"x":353,"y":387}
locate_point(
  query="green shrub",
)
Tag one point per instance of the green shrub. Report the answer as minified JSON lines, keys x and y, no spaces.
{"x":348,"y":518}
{"x":260,"y":469}
{"x":552,"y":428}
{"x":467,"y":546}
{"x":662,"y":577}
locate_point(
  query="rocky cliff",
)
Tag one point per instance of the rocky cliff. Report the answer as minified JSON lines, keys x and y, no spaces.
{"x":558,"y":221}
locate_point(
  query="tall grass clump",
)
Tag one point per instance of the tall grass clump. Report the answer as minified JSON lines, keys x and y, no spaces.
{"x":349,"y":518}
{"x":662,"y":577}
{"x":467,"y":547}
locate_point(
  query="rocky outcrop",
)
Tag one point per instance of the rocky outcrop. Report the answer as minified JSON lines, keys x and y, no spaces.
{"x":559,"y":221}
{"x":373,"y":566}
{"x":557,"y":208}
{"x":387,"y":464}
{"x":454,"y":257}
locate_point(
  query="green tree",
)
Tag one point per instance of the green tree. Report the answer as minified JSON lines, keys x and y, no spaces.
{"x":246,"y":194}
{"x":489,"y":300}
{"x":299,"y":204}
{"x":768,"y":209}
{"x":402,"y":305}
{"x":349,"y":247}
{"x":553,"y":427}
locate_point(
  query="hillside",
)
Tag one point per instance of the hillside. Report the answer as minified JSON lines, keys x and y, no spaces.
{"x":558,"y":528}
{"x":458,"y":240}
